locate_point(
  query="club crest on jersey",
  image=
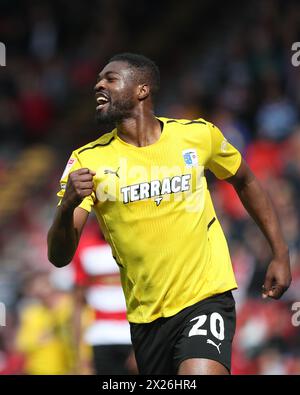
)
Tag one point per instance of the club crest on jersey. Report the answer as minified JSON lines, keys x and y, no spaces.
{"x":190,"y":157}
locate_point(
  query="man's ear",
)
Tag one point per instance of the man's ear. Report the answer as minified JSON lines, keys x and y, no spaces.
{"x":143,"y":91}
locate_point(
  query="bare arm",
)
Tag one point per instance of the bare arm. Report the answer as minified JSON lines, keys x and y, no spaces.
{"x":64,"y":234}
{"x":258,"y":204}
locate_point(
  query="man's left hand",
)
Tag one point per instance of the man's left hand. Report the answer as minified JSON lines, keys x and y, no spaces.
{"x":278,"y":278}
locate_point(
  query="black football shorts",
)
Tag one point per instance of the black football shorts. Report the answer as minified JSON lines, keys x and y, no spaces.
{"x":203,"y":330}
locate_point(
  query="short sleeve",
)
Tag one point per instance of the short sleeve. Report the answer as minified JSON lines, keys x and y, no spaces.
{"x":224,"y":159}
{"x":72,"y":165}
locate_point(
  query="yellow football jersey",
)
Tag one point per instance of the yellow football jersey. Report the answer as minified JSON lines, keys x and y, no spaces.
{"x":156,"y":213}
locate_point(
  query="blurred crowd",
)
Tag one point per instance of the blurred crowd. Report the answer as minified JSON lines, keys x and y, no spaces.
{"x":230,"y":65}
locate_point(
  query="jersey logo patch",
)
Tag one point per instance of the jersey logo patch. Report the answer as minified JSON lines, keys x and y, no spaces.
{"x":190,"y":157}
{"x":70,"y":164}
{"x":156,"y":188}
{"x":108,"y":171}
{"x":224,"y":145}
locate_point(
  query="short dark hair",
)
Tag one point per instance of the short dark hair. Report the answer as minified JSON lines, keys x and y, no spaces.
{"x":148,"y":69}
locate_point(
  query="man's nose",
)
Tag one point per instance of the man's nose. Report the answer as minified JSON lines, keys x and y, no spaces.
{"x":100,"y":84}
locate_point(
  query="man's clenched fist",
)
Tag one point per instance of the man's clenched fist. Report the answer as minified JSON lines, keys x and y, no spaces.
{"x":80,"y":184}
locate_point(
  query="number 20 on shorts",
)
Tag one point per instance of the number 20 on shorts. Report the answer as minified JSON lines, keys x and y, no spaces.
{"x":214,"y":319}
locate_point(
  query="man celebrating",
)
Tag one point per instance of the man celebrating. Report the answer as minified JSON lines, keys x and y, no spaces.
{"x":145,"y":181}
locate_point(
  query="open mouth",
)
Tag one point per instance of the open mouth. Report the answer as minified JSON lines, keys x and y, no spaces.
{"x":102,"y":101}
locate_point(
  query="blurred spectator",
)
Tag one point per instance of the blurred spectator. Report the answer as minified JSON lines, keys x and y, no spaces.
{"x":44,"y":332}
{"x":43,"y":37}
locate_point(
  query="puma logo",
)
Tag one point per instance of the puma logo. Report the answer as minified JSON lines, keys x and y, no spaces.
{"x":214,"y":344}
{"x":108,"y":171}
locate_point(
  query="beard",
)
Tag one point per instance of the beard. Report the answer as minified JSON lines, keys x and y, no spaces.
{"x":116,"y":111}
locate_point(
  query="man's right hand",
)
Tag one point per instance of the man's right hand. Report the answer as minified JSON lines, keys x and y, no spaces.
{"x":80,"y":184}
{"x":64,"y":234}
